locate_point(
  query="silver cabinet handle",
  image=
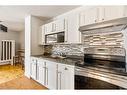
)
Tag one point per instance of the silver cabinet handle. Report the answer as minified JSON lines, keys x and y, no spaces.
{"x":31,"y":68}
{"x":36,"y":70}
{"x":45,"y":63}
{"x":59,"y":73}
{"x":57,"y":79}
{"x":44,"y":75}
{"x":37,"y":77}
{"x":79,"y":70}
{"x":57,"y":76}
{"x":54,"y":27}
{"x":64,"y":24}
{"x":47,"y":75}
{"x":60,"y":80}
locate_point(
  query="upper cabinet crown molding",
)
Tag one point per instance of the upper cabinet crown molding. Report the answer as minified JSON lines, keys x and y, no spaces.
{"x":101,"y":14}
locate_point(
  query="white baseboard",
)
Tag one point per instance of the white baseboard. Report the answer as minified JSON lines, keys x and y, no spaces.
{"x":27,"y":75}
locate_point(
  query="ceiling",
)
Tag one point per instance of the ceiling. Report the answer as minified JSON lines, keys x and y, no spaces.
{"x":13,"y":16}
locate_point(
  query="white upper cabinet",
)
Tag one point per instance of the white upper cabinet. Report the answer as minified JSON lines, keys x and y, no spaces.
{"x":73,"y":34}
{"x":90,"y":16}
{"x":49,"y":28}
{"x":112,"y":12}
{"x":55,"y":26}
{"x":101,"y":13}
{"x":60,"y":25}
{"x":41,"y":35}
{"x":71,"y":22}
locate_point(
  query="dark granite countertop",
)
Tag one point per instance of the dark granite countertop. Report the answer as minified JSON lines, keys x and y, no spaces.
{"x":67,"y":61}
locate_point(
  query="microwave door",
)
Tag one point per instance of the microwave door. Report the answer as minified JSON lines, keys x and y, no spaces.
{"x":51,"y":38}
{"x":60,"y":37}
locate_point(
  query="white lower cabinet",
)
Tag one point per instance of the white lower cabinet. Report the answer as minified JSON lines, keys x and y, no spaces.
{"x":65,"y":77}
{"x":41,"y":71}
{"x":51,"y":74}
{"x":33,"y":68}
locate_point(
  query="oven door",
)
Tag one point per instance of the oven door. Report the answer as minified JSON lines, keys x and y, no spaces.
{"x":83,"y":81}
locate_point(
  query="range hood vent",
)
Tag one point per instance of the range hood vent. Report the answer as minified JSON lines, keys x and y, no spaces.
{"x":112,"y":25}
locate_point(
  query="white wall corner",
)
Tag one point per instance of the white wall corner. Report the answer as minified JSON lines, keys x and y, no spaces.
{"x":27,"y":45}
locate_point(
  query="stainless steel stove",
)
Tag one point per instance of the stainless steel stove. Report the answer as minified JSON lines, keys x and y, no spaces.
{"x":104,"y":58}
{"x":106,"y":61}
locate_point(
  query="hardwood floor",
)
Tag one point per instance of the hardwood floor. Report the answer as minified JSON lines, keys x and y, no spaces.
{"x":12,"y":77}
{"x":10,"y":72}
{"x":22,"y":83}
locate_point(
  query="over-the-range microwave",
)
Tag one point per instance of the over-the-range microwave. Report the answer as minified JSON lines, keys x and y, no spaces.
{"x":55,"y":38}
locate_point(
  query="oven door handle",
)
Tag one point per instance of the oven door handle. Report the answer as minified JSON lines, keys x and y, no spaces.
{"x":77,"y":69}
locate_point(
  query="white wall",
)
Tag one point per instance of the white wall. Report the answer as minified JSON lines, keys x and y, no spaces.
{"x":35,"y":25}
{"x":22,"y":39}
{"x":27,"y":45}
{"x":32,"y":25}
{"x":10,"y":35}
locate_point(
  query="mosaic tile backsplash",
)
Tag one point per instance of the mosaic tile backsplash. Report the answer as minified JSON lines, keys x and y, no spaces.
{"x":99,"y":39}
{"x":113,"y":39}
{"x":65,"y":49}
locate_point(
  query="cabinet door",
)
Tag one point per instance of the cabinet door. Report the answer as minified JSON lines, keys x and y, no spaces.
{"x":65,"y":76}
{"x":48,"y":28}
{"x":82,"y":19}
{"x":54,"y":26}
{"x":113,"y":12}
{"x":59,"y":25}
{"x":101,"y":15}
{"x":91,"y":16}
{"x":41,"y":71}
{"x":33,"y":68}
{"x":41,"y":35}
{"x":73,"y":34}
{"x":50,"y":75}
